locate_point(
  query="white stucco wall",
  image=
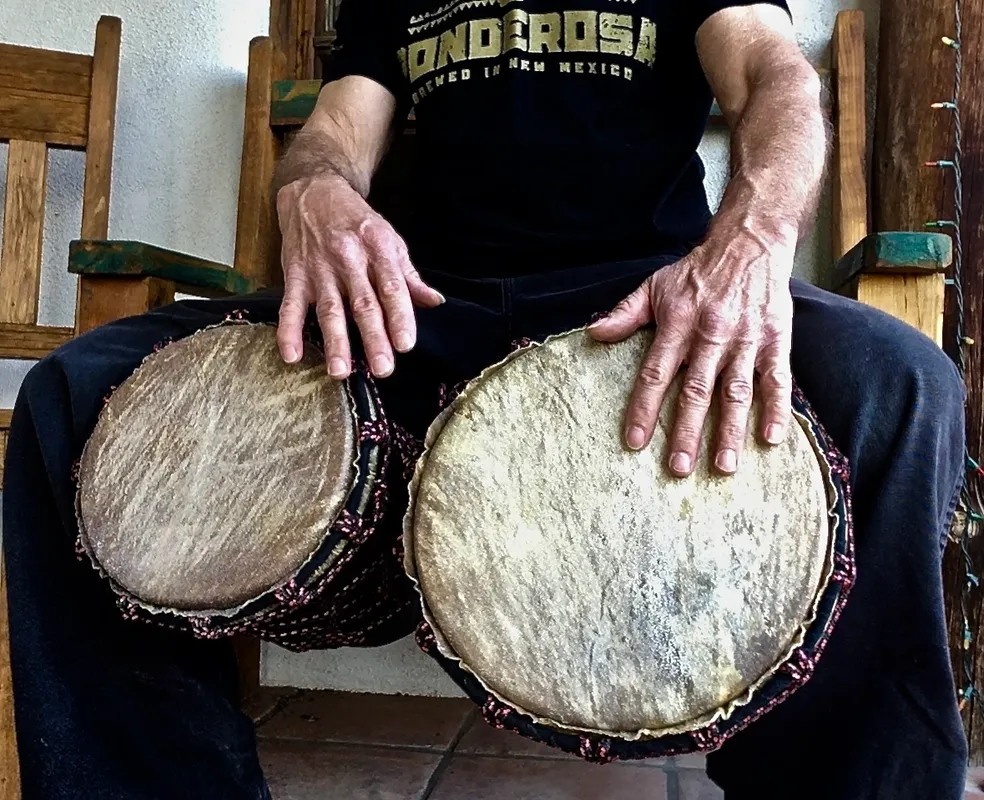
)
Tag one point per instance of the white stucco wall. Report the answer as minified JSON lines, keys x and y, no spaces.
{"x":179,"y":136}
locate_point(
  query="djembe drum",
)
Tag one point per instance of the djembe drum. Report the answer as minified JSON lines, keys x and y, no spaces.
{"x":586,"y":598}
{"x":223,"y":491}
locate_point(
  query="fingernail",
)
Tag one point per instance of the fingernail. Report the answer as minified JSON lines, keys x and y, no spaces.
{"x":382,"y":366}
{"x":337,"y":367}
{"x":404,"y":342}
{"x":680,"y":463}
{"x":726,"y":461}
{"x":635,"y":437}
{"x":290,"y":354}
{"x":442,"y":298}
{"x":598,"y":323}
{"x":773,"y":433}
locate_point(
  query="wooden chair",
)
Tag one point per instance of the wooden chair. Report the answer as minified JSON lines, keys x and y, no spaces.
{"x":62,"y":100}
{"x":51,"y":99}
{"x":899,"y":272}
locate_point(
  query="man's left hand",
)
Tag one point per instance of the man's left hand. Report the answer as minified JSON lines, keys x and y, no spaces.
{"x":725,"y":312}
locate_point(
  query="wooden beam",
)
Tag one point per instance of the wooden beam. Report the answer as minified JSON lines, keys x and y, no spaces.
{"x":850,"y":223}
{"x":914,"y":70}
{"x":972,"y":116}
{"x":31,"y":342}
{"x":23,"y":229}
{"x":292,"y":29}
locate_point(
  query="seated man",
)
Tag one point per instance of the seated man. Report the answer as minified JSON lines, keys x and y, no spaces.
{"x":556,"y":177}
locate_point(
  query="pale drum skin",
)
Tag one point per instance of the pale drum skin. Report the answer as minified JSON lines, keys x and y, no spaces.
{"x":585,"y":585}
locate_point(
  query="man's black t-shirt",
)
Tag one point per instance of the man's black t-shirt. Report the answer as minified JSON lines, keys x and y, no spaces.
{"x":550,"y":133}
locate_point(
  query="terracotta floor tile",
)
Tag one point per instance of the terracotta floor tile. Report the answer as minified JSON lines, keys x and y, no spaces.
{"x":370,"y":719}
{"x":695,"y":785}
{"x":490,"y":778}
{"x":310,"y":771}
{"x":483,"y":739}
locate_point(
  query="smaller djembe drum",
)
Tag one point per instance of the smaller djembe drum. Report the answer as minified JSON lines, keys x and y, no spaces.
{"x":223,"y":491}
{"x":585,"y":597}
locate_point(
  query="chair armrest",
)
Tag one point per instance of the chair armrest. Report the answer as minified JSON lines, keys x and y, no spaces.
{"x":897,"y":253}
{"x":190,"y":274}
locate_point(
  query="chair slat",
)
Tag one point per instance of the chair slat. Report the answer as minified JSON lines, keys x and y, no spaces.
{"x":850,"y":183}
{"x":34,"y":70}
{"x":31,"y":342}
{"x":20,"y":259}
{"x":36,"y":116}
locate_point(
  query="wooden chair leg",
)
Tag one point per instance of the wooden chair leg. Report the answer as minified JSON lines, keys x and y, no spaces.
{"x":916,"y":299}
{"x":248,"y":657}
{"x":9,"y":764}
{"x":103,"y":300}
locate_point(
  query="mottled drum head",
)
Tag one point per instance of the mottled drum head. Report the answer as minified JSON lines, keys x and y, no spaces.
{"x":215,"y":471}
{"x":585,"y":596}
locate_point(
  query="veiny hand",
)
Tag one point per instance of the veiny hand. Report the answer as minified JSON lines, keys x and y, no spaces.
{"x":338,"y":251}
{"x":725,"y":311}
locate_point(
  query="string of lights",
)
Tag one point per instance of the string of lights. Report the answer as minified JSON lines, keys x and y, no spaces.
{"x":970,"y":511}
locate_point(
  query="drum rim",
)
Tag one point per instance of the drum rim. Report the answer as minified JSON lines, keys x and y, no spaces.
{"x":433,"y":642}
{"x":337,"y":545}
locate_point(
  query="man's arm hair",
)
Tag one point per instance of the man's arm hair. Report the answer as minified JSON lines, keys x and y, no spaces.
{"x":771,"y":98}
{"x":347,"y":135}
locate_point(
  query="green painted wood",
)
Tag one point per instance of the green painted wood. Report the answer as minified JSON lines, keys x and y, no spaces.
{"x":293,"y":102}
{"x":898,"y":252}
{"x":190,"y":274}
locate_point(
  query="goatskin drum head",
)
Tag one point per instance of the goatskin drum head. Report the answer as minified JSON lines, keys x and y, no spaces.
{"x":215,"y":470}
{"x":582,"y":583}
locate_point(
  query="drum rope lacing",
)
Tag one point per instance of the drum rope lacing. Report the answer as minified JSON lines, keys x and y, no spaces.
{"x":970,"y":505}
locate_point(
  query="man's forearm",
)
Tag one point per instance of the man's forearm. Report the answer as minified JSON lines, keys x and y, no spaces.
{"x":346,"y":136}
{"x":779,"y":153}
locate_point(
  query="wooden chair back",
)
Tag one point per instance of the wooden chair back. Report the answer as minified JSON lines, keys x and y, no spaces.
{"x":48,"y":99}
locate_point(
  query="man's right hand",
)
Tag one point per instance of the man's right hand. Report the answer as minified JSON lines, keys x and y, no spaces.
{"x":337,"y":253}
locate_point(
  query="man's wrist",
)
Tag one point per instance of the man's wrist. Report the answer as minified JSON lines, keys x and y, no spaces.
{"x":769,"y":227}
{"x":312,"y":156}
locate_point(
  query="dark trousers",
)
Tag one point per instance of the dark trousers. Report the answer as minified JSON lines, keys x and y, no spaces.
{"x":108,"y":709}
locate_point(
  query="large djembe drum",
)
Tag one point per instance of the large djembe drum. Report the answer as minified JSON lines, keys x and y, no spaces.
{"x":586,"y":598}
{"x":223,"y":491}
